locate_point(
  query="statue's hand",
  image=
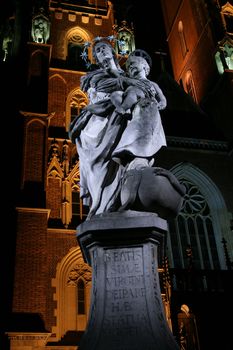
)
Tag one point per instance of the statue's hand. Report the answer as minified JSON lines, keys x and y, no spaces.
{"x":161,"y":106}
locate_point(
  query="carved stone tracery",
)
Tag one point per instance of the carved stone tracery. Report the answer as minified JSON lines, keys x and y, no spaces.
{"x":79,"y":270}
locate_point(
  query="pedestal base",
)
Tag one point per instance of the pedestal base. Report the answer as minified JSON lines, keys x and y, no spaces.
{"x":126,"y":308}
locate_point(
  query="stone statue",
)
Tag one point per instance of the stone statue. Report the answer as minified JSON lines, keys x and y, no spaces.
{"x":40,"y":28}
{"x":125,"y":41}
{"x":117,"y":136}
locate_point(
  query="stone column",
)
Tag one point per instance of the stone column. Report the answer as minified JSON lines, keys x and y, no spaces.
{"x":126,"y":310}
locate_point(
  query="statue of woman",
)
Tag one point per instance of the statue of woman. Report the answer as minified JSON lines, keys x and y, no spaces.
{"x":97,"y":131}
{"x":111,"y":140}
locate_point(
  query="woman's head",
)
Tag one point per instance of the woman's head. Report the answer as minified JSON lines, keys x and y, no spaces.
{"x":103,"y":51}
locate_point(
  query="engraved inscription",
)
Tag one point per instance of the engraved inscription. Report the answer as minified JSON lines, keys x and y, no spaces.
{"x":125,"y":304}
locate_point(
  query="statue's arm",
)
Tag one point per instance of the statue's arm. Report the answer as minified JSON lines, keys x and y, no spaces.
{"x":162,"y":101}
{"x":78,"y":124}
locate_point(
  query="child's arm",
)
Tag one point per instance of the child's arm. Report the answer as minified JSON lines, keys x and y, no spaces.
{"x":124,"y":80}
{"x":161,"y":99}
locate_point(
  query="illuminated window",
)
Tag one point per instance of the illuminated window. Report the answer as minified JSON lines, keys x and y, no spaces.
{"x":73,"y":48}
{"x":183,"y":44}
{"x":78,"y":211}
{"x":189,"y":85}
{"x":76,"y":100}
{"x":75,"y":204}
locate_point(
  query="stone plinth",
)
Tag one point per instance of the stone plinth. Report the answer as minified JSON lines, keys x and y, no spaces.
{"x":126,"y":310}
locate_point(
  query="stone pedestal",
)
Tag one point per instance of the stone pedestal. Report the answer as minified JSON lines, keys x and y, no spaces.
{"x":126,"y":310}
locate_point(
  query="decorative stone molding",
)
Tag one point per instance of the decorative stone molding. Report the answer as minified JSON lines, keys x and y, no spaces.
{"x":79,"y":270}
{"x":58,"y":14}
{"x":72,"y":17}
{"x":34,"y":210}
{"x":197,"y":143}
{"x":98,"y":20}
{"x":85,"y":18}
{"x":27,"y":341}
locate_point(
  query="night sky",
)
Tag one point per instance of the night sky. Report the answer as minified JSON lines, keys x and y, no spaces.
{"x":148,"y":28}
{"x":147,"y":21}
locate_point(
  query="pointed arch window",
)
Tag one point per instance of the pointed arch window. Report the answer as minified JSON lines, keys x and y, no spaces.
{"x":200,"y":225}
{"x":81,"y":297}
{"x":183,"y":44}
{"x":79,"y":211}
{"x":194,"y":228}
{"x":74,"y":52}
{"x":76,"y":101}
{"x":72,"y":285}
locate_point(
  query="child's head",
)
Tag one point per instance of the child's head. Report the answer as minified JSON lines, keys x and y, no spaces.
{"x":135,"y":65}
{"x":137,"y":62}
